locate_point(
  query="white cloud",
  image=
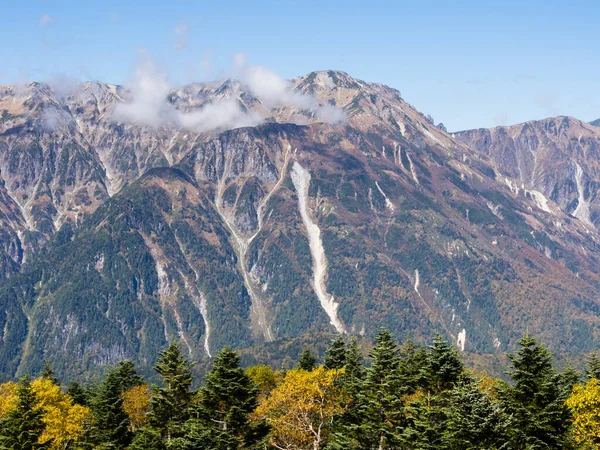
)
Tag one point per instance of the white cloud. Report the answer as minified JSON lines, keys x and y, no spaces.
{"x":225,"y":114}
{"x":45,"y":20}
{"x":273,"y":90}
{"x":149,"y":89}
{"x":331,"y":114}
{"x":54,"y":118}
{"x":51,"y":120}
{"x":181,"y":30}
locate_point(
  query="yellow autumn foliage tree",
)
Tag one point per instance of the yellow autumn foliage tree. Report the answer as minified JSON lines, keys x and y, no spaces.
{"x":301,"y":408}
{"x":584,"y":403}
{"x":8,"y":397}
{"x":136,"y":403}
{"x":265,"y":378}
{"x":64,"y":420}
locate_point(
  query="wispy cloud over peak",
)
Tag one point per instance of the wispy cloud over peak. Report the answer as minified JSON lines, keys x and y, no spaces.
{"x":149,"y":89}
{"x":272,"y":90}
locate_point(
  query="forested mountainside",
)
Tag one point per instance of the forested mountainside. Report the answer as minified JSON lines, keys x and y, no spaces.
{"x":336,"y":214}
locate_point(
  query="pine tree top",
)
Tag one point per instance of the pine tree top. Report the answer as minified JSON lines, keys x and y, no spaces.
{"x":48,"y":373}
{"x":307,"y":360}
{"x":384,"y":355}
{"x":592,"y":369}
{"x":174,"y":368}
{"x":443,"y":365}
{"x":335,"y":357}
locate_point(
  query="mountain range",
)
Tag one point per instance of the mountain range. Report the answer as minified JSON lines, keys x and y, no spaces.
{"x":220,"y":215}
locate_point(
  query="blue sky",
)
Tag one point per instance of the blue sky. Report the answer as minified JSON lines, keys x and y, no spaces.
{"x":467,"y":63}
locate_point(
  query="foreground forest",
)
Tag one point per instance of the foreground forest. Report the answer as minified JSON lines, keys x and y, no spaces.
{"x":406,"y":397}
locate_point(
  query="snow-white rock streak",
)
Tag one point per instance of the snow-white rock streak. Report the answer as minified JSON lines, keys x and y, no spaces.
{"x":462,"y":340}
{"x":198,"y":299}
{"x":412,"y":169}
{"x":541,"y":200}
{"x":417,"y":282}
{"x":301,"y":180}
{"x":582,"y":212}
{"x":388,"y":202}
{"x":201,"y":303}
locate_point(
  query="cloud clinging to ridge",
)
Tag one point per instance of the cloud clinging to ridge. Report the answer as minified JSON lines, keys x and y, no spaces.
{"x":272,"y":90}
{"x":149,"y":89}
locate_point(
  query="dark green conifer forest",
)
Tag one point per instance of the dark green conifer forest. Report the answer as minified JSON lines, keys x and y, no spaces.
{"x":395,"y":397}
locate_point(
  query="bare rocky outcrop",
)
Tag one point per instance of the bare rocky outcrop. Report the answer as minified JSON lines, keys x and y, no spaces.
{"x":559,"y":157}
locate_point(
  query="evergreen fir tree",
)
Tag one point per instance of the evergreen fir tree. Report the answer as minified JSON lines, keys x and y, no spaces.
{"x":592,"y":369}
{"x":474,"y":420}
{"x":127,"y":376}
{"x":110,"y":421}
{"x":354,"y":369}
{"x":335,"y":357}
{"x":344,"y":429}
{"x":78,"y":393}
{"x":568,"y":379}
{"x":411,"y":366}
{"x":376,"y":417}
{"x":430,"y":375}
{"x":23,"y":425}
{"x":48,"y":373}
{"x":427,"y":424}
{"x":225,"y":404}
{"x":170,"y":404}
{"x":150,"y":438}
{"x":443,"y":366}
{"x":307,"y":360}
{"x":535,"y":403}
{"x":383,"y":408}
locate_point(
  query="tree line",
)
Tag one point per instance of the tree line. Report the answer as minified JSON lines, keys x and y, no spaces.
{"x":407,"y":397}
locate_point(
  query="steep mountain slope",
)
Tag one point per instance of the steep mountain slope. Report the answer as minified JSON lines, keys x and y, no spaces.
{"x":266,"y":233}
{"x":556,"y":158}
{"x":63,"y":153}
{"x":596,"y":123}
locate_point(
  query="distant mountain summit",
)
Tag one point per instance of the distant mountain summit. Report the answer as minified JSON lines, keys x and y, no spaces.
{"x":556,"y":157}
{"x":596,"y":123}
{"x":225,"y":214}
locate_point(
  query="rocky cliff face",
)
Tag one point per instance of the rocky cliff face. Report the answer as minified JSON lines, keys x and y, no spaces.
{"x":133,"y":236}
{"x":557,"y":159}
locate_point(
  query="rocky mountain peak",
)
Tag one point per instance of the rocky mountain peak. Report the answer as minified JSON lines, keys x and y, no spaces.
{"x":298,"y":223}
